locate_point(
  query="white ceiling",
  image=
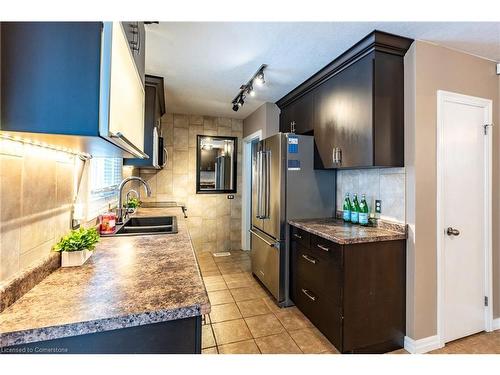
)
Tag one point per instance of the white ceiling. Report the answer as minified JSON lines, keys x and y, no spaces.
{"x":204,"y":63}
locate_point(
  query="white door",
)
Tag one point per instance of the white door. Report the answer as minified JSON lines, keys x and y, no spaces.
{"x":464,"y":217}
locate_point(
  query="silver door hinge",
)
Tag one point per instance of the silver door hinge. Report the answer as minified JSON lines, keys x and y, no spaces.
{"x":485,"y":127}
{"x":485,"y":301}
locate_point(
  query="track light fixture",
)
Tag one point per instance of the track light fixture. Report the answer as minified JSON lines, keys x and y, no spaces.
{"x":248,"y":88}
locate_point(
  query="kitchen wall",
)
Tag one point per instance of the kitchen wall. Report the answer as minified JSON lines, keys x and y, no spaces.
{"x":36,"y":192}
{"x":386,"y":184}
{"x":265,"y":118}
{"x":429,"y":68}
{"x":214,"y":221}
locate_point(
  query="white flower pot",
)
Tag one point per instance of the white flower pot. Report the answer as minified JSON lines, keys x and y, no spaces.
{"x":74,"y":258}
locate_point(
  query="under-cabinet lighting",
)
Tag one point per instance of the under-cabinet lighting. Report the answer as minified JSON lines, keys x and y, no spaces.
{"x":32,"y":142}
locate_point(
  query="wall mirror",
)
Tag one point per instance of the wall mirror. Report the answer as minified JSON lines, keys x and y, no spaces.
{"x":216,"y":164}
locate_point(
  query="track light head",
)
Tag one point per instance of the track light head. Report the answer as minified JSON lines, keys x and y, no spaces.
{"x":250,"y":91}
{"x":238,"y":102}
{"x":259,"y":79}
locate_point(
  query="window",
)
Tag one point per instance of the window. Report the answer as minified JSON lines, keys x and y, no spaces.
{"x":105,"y":177}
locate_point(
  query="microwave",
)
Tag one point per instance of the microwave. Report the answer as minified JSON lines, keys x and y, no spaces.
{"x":160,"y":153}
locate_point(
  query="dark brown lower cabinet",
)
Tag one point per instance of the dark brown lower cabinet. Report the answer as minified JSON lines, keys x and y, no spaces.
{"x":354,"y":294}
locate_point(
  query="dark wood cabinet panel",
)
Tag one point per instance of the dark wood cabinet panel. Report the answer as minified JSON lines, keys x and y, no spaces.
{"x":343,"y":117}
{"x":300,"y":113}
{"x":374,"y":296}
{"x":388,"y":115}
{"x":357,"y":106}
{"x":321,"y":311}
{"x":354,"y":294}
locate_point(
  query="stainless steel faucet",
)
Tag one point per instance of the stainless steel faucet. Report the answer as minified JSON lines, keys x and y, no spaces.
{"x":121,"y":213}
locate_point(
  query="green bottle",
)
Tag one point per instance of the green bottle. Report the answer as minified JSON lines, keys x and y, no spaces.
{"x":347,"y":209}
{"x":355,"y":209}
{"x":363,"y":211}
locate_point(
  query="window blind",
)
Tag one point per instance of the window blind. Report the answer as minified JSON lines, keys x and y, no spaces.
{"x":105,"y":176}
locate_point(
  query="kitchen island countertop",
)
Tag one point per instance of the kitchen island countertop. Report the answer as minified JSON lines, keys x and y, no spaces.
{"x":129,"y":281}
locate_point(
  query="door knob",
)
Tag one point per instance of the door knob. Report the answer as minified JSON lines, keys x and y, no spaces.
{"x":452,"y":232}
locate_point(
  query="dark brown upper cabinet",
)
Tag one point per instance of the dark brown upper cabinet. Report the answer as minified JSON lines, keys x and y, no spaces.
{"x":355,"y":105}
{"x":298,"y":115}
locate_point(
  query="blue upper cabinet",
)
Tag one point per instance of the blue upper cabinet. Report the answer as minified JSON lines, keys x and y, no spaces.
{"x":74,"y":84}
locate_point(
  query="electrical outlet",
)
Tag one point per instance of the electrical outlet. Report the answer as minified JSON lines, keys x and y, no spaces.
{"x":230,"y":196}
{"x":378,"y":206}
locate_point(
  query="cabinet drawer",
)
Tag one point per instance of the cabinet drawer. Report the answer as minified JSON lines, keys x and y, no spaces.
{"x":323,"y":246}
{"x":322,"y":273}
{"x":321,"y":311}
{"x":300,"y":236}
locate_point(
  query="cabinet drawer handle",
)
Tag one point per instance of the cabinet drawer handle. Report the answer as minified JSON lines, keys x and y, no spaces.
{"x":323,"y":247}
{"x":309,"y":259}
{"x":308,"y":294}
{"x":297,"y":236}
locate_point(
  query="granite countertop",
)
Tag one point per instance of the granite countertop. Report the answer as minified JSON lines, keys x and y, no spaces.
{"x":129,"y":281}
{"x":338,"y":231}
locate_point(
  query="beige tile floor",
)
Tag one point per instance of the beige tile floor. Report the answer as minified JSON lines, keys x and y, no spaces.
{"x":245,"y":320}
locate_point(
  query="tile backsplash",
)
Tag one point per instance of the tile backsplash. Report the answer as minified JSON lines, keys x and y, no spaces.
{"x":386,"y":184}
{"x":37,"y":188}
{"x":214,"y":221}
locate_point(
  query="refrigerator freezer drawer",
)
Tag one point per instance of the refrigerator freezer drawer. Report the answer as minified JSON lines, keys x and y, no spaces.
{"x":266,"y":261}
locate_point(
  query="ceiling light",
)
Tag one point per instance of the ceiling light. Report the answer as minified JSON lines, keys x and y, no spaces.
{"x":259,"y":79}
{"x":248,"y":89}
{"x":251,"y":91}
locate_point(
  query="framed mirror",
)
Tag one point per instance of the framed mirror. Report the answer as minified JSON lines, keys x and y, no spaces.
{"x":216,"y":164}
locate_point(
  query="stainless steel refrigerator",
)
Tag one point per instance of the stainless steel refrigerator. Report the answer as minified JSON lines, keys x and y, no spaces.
{"x":284,"y":186}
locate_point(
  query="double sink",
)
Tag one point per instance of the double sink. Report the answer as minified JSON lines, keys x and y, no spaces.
{"x":139,"y":226}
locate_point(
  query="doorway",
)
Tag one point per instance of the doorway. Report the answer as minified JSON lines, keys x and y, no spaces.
{"x":246,"y":197}
{"x":464,"y":161}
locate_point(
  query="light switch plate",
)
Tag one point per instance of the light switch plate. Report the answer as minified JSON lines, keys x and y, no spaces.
{"x":378,"y":206}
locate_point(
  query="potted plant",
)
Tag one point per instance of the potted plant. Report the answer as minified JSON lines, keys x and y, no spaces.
{"x":132,"y":204}
{"x":77,"y":246}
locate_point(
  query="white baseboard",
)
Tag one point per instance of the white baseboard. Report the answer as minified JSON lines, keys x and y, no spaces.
{"x":422,"y":345}
{"x":496,"y":324}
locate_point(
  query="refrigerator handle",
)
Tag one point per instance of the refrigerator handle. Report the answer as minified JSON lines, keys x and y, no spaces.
{"x":259,"y":184}
{"x":268,"y":184}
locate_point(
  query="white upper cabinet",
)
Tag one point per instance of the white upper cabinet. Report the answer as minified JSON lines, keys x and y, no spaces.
{"x":126,"y":104}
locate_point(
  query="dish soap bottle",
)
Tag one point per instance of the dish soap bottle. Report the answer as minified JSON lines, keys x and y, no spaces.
{"x":363,"y":211}
{"x":346,"y":213}
{"x":355,"y":209}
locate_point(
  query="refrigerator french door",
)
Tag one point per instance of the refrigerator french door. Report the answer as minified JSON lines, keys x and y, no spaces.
{"x":284,"y":186}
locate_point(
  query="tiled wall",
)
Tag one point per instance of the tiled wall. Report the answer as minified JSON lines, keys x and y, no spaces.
{"x":387,"y":184}
{"x":36,"y":192}
{"x":214,"y":221}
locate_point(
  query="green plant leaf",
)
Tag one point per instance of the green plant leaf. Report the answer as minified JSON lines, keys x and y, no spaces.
{"x":79,"y":239}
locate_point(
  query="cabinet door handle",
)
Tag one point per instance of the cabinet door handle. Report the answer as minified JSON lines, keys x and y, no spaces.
{"x":337,"y":155}
{"x":309,"y":259}
{"x":308,"y":294}
{"x":297,"y":236}
{"x":323,"y":247}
